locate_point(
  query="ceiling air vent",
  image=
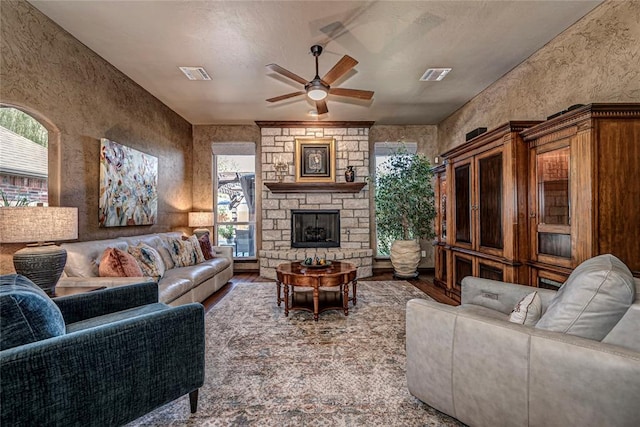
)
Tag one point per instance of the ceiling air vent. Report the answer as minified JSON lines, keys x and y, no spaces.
{"x":195,"y":73}
{"x":434,"y":74}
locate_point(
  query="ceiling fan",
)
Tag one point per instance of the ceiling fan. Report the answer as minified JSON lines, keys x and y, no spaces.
{"x":319,"y":88}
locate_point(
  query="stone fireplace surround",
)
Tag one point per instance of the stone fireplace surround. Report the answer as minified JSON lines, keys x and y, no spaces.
{"x":352,"y":148}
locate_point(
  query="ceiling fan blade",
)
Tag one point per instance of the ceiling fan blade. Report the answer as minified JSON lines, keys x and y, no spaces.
{"x":278,"y":69}
{"x":352,"y":93}
{"x":321,"y":107}
{"x":341,"y":68}
{"x":287,"y":96}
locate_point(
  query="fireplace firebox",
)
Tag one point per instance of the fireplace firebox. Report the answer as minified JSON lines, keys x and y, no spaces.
{"x":315,"y":228}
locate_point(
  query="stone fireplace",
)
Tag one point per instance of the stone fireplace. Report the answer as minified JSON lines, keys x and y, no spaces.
{"x":353,"y":208}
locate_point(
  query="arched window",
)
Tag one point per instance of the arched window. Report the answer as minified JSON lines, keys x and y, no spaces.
{"x":24,"y":170}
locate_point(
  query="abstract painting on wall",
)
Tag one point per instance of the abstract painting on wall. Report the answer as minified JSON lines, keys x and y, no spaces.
{"x":128,"y":186}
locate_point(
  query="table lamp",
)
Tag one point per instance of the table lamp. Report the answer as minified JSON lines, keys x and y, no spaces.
{"x":40,"y":262}
{"x":200,"y":219}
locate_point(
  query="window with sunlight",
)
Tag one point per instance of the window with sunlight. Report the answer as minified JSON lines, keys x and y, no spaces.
{"x":235,"y":167}
{"x":382,"y":152}
{"x":24,"y":168}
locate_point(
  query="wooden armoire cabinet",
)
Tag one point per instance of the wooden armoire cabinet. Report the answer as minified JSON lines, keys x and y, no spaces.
{"x":584,"y":190}
{"x":486,"y":212}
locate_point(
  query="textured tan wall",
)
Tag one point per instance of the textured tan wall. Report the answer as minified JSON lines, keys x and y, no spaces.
{"x":427,"y":137}
{"x":204,"y":136}
{"x":595,"y":60}
{"x":47,"y":71}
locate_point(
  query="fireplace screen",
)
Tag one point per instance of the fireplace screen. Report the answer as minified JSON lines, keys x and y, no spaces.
{"x":315,"y":228}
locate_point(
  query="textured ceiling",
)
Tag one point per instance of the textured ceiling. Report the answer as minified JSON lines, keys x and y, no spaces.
{"x":394,"y":42}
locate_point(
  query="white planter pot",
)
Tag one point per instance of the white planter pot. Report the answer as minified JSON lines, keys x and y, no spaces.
{"x":405,"y":257}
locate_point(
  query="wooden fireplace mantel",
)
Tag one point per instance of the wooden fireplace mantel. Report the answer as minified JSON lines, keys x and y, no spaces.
{"x":315,"y":187}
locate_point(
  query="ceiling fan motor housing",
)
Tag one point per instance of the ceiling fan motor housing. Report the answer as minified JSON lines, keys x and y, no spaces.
{"x":316,"y":50}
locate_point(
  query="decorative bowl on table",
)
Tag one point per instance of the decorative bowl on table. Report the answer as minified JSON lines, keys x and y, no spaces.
{"x":317,"y":263}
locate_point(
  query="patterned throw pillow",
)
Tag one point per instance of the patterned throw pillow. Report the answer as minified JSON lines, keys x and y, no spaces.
{"x":206,"y":247}
{"x":185,"y":251}
{"x":528,"y":310}
{"x":194,"y":245}
{"x":164,"y":249}
{"x":118,"y":263}
{"x":149,"y":260}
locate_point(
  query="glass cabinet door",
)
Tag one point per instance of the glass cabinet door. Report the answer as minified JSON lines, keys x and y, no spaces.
{"x":553,"y":203}
{"x":443,"y":208}
{"x":490,"y":201}
{"x":463,"y":203}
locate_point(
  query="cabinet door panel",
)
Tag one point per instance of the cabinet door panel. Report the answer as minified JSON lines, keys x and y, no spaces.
{"x":552,"y":208}
{"x":463,"y":267}
{"x":490,"y":201}
{"x":443,"y":208}
{"x":553,"y":187}
{"x":463,"y":203}
{"x":547,"y":279}
{"x":554,"y":244}
{"x":492,"y":272}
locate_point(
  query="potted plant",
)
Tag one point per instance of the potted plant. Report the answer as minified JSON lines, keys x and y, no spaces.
{"x":405,"y":208}
{"x":226,"y":231}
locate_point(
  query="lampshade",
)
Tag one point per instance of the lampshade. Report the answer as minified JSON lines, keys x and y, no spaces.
{"x":42,"y":264}
{"x":38,"y":224}
{"x":200,"y":219}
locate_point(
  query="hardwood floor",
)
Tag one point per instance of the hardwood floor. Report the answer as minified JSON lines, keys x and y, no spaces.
{"x":424,"y":282}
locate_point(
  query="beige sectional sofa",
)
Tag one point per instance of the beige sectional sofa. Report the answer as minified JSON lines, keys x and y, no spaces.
{"x":177,"y":286}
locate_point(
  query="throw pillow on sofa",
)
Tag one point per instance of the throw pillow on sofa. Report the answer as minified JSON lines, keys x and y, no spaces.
{"x":206,"y":247}
{"x":148,"y":259}
{"x":193,"y":245}
{"x":118,"y":263}
{"x":185,"y":251}
{"x":528,"y":310}
{"x":164,"y":249}
{"x":592,"y":300}
{"x":27,"y":314}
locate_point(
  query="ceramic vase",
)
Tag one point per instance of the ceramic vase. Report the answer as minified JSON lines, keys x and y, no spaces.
{"x":349,"y":174}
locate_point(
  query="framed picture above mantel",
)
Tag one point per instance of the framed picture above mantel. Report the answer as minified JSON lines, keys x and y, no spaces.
{"x":315,"y":160}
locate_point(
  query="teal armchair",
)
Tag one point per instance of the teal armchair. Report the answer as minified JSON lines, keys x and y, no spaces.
{"x":117,"y":355}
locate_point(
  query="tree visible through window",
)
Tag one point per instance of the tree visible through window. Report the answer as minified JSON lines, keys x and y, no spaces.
{"x":235,"y":202}
{"x":382,"y":152}
{"x":24,"y":160}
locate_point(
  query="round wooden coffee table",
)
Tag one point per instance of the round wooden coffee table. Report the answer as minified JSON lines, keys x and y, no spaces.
{"x":338,"y":274}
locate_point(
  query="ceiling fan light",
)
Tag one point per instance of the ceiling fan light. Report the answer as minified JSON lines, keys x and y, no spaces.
{"x":317,"y":93}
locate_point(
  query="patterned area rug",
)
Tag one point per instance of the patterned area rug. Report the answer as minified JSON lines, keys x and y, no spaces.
{"x":265,"y":369}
